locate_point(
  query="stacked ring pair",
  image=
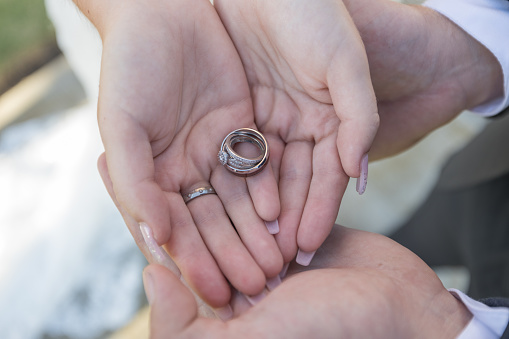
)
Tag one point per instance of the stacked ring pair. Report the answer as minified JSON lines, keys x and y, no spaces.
{"x":234,"y":162}
{"x":238,"y":164}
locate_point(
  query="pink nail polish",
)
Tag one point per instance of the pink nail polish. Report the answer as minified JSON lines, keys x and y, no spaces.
{"x":304,"y":258}
{"x":158,"y":253}
{"x":272,"y":226}
{"x":272,"y":283}
{"x":225,"y":313}
{"x":362,"y":180}
{"x":282,"y":274}
{"x":255,"y":299}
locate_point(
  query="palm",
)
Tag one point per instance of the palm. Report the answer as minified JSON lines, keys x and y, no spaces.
{"x":172,"y":87}
{"x":296,"y":73}
{"x":361,"y":285}
{"x":369,"y":275}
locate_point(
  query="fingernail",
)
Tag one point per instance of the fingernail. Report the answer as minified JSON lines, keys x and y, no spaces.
{"x":304,"y":258}
{"x":255,"y":299}
{"x":224,"y":313}
{"x":362,"y":180}
{"x":272,"y":226}
{"x":272,"y":283}
{"x":157,"y":252}
{"x":282,"y":274}
{"x":148,"y":284}
{"x":245,"y":303}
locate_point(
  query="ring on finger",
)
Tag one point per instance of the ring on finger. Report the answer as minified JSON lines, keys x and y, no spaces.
{"x":198,"y":192}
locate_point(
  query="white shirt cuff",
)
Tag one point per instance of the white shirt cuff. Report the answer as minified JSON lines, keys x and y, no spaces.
{"x":488,"y":22}
{"x":487,"y":322}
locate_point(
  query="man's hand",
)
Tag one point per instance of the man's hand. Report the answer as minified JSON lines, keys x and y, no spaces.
{"x":313,"y":100}
{"x":172,"y":87}
{"x":361,"y":285}
{"x":425,"y":70}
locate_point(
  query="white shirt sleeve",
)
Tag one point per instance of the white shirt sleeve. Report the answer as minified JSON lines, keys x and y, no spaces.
{"x":487,"y":322}
{"x":488,"y":22}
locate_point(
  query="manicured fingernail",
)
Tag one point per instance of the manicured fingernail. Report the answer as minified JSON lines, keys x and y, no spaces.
{"x":362,"y":180}
{"x":158,"y":253}
{"x":282,"y":274}
{"x":225,"y":313}
{"x":272,"y":226}
{"x":272,"y":283}
{"x":304,"y":258}
{"x":255,"y":299}
{"x":148,"y":283}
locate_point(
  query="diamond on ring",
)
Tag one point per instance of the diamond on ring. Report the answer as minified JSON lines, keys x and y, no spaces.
{"x":223,"y":157}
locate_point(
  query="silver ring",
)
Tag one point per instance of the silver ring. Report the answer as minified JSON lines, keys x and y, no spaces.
{"x":198,"y":192}
{"x":238,"y":164}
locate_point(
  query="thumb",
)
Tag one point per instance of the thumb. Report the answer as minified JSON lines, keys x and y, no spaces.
{"x":173,"y":307}
{"x":355,"y":104}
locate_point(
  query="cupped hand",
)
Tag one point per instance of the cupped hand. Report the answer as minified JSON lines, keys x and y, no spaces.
{"x":360,"y":285}
{"x":172,"y":87}
{"x":425,"y":70}
{"x":313,"y":99}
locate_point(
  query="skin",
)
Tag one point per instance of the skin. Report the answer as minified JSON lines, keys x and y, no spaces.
{"x":425,"y":70}
{"x":306,"y":70}
{"x":313,"y":99}
{"x":360,"y":285}
{"x":172,"y":87}
{"x":157,"y":134}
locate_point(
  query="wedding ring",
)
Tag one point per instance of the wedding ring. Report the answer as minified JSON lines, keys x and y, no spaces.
{"x":198,"y":192}
{"x":238,"y":164}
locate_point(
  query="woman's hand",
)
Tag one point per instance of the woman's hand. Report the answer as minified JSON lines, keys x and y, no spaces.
{"x":172,"y":87}
{"x":313,"y":99}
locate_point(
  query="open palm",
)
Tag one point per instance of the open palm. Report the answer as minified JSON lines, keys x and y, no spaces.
{"x":172,"y":87}
{"x":309,"y":80}
{"x":360,"y":285}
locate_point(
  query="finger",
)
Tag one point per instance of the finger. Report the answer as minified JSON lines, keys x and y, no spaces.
{"x":354,"y":101}
{"x":277,"y":147}
{"x":173,"y":310}
{"x":173,"y":307}
{"x":264,"y":194}
{"x":262,"y":186}
{"x":131,"y":168}
{"x":186,"y":249}
{"x":225,"y":245}
{"x":189,"y":251}
{"x":294,"y":180}
{"x":233,"y":192}
{"x":325,"y":193}
{"x":133,"y":227}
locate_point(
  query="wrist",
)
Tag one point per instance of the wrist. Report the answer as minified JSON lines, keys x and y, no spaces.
{"x":106,"y":15}
{"x":446,"y":318}
{"x":474,"y":69}
{"x":414,"y":49}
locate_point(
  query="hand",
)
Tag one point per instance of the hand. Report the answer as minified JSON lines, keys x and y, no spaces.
{"x":360,"y":285}
{"x":313,"y":100}
{"x":172,"y":87}
{"x":425,"y":70}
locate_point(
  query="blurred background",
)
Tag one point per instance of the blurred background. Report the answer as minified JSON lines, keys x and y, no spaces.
{"x":68,"y":266}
